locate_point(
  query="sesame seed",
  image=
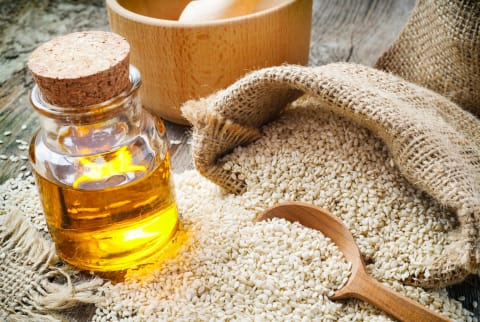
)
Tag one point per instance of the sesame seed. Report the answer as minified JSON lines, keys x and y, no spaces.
{"x":21,"y":142}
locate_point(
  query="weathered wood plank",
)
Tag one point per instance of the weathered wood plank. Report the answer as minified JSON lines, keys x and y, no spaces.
{"x":355,"y":31}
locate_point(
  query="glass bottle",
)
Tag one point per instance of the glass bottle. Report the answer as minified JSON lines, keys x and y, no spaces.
{"x":103,"y":175}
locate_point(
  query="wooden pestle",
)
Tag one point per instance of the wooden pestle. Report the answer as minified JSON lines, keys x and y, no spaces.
{"x":207,"y":10}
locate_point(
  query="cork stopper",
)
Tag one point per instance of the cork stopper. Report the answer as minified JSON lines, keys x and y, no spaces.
{"x":82,"y":68}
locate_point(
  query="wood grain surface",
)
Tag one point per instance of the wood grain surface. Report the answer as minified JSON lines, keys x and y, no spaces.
{"x":348,"y":30}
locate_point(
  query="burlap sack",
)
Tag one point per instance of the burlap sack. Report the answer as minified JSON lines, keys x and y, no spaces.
{"x":439,"y":48}
{"x":434,"y":142}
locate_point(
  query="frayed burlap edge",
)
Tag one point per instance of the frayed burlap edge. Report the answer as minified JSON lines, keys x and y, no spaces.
{"x":35,"y":286}
{"x":225,"y":136}
{"x":393,"y":109}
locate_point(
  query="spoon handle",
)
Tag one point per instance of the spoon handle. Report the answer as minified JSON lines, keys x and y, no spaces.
{"x":366,"y":288}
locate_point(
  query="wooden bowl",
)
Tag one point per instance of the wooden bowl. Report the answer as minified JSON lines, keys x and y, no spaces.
{"x":183,"y":61}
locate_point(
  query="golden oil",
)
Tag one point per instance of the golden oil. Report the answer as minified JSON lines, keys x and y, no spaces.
{"x":112,"y":228}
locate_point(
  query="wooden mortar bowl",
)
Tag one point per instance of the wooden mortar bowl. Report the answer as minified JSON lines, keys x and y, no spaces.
{"x":183,"y":61}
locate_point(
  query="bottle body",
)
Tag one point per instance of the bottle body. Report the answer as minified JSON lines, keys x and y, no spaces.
{"x":103,"y":175}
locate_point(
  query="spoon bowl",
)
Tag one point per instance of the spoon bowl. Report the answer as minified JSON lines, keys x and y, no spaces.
{"x":360,"y":285}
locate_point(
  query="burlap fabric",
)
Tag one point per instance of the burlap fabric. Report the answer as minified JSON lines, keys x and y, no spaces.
{"x":434,"y":142}
{"x":439,"y":48}
{"x":35,"y":285}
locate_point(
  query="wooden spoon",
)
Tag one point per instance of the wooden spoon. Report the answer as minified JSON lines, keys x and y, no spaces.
{"x":360,"y":285}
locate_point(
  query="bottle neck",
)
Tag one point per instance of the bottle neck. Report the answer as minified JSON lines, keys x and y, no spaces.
{"x":91,"y":129}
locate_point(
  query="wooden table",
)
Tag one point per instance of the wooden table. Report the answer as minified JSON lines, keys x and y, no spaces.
{"x":349,"y":30}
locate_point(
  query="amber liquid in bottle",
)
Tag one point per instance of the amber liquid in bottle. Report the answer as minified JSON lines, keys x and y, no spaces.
{"x":100,"y":160}
{"x":116,"y":227}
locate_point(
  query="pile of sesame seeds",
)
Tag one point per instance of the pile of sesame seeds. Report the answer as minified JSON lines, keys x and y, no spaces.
{"x":232,"y":269}
{"x":236,"y":270}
